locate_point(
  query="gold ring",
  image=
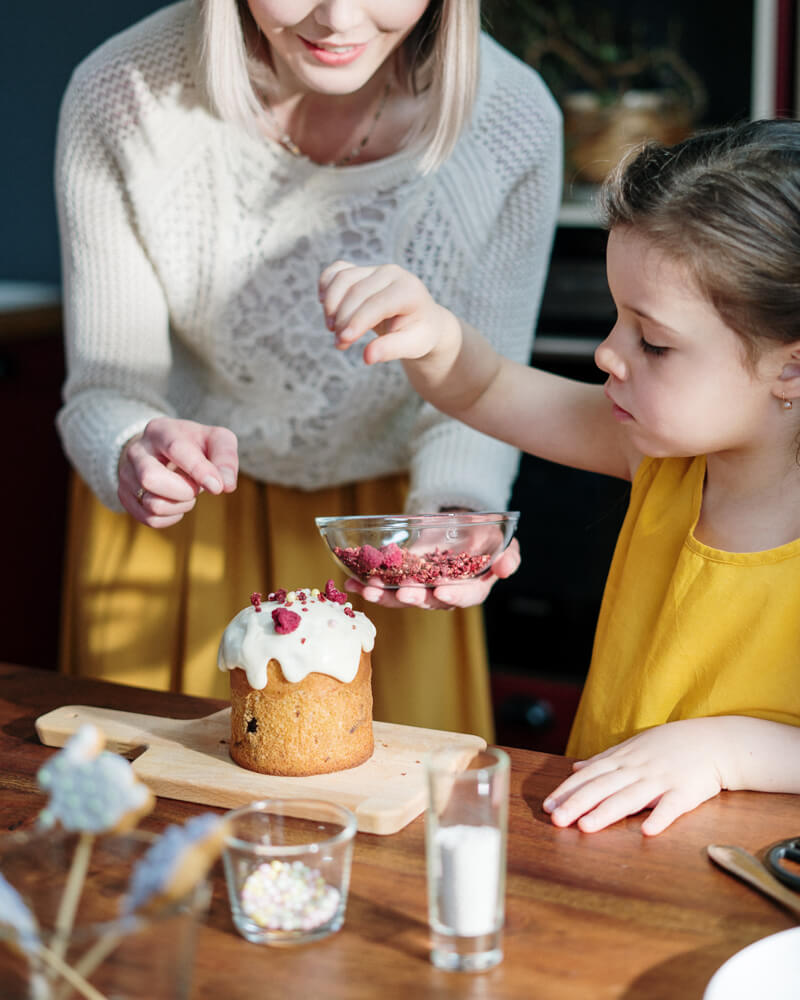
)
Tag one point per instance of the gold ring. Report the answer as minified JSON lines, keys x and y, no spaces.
{"x":140,"y":493}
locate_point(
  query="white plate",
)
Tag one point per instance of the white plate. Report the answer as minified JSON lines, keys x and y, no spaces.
{"x":768,"y":968}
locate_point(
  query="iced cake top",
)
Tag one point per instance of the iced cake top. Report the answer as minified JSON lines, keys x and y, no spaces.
{"x":306,"y":631}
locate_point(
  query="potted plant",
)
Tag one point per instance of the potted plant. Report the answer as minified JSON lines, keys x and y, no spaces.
{"x":614,"y":88}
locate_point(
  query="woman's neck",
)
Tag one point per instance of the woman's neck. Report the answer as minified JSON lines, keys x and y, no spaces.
{"x":367,"y":125}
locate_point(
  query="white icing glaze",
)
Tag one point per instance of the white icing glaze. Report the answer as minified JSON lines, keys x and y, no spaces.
{"x":327,"y":641}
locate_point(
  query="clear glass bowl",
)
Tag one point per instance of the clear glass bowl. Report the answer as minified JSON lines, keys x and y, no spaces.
{"x":422,"y":550}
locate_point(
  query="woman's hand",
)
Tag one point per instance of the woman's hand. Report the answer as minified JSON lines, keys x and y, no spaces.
{"x":671,"y":768}
{"x":162,"y":470}
{"x":447,"y":595}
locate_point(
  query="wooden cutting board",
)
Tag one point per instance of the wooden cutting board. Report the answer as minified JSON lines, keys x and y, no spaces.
{"x":188,"y":760}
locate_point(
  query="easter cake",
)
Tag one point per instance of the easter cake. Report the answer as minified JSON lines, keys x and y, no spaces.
{"x":301,"y":683}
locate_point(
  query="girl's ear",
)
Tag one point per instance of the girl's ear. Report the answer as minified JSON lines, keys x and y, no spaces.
{"x":788,"y":382}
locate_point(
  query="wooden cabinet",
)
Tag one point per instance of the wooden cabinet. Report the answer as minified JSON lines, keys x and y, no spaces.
{"x":34,"y":480}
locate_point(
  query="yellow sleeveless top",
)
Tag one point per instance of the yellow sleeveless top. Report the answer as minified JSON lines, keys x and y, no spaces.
{"x":686,"y":630}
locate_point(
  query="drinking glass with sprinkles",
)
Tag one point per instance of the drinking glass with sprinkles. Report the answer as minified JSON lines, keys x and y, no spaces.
{"x":287,"y":868}
{"x":424,"y":550}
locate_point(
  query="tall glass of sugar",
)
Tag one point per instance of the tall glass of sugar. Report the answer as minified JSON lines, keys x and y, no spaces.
{"x":465,"y":841}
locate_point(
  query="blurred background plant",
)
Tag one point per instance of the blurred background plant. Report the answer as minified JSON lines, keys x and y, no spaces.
{"x":614,"y":84}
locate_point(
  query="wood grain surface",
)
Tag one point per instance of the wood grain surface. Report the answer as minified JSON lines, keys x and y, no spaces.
{"x":605,"y":916}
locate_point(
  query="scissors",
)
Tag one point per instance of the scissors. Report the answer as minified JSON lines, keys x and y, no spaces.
{"x":788,"y":850}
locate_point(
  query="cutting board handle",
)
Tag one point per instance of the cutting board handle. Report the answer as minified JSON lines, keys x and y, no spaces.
{"x":123,"y":730}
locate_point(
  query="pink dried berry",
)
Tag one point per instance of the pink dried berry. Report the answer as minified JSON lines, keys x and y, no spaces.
{"x":391,"y":555}
{"x":333,"y":594}
{"x":255,"y":600}
{"x":370,"y":557}
{"x":285,"y":621}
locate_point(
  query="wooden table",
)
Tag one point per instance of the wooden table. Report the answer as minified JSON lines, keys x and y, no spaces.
{"x":589,"y":917}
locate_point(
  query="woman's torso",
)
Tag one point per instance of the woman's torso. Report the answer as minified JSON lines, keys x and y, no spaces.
{"x":236,"y":231}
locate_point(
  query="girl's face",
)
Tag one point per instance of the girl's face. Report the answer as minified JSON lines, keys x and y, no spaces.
{"x":678,"y":376}
{"x":333,"y":47}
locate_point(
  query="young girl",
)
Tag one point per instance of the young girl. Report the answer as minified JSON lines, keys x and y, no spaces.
{"x":211,"y":159}
{"x":694,"y":684}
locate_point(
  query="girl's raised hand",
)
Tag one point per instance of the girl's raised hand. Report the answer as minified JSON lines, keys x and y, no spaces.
{"x":162,"y":470}
{"x":671,"y":768}
{"x":386,"y":299}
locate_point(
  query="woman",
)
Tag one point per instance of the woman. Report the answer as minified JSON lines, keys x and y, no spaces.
{"x":212,"y":159}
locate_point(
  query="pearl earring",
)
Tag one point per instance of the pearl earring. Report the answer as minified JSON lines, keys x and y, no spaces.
{"x":787,"y":403}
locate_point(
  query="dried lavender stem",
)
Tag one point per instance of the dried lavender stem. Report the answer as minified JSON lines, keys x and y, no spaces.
{"x":72,"y":894}
{"x":56,"y":964}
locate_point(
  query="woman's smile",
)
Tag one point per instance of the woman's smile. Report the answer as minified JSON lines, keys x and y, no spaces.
{"x":333,"y":55}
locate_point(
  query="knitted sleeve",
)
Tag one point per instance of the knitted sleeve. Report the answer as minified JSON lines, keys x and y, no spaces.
{"x":115,"y":314}
{"x":511,"y":166}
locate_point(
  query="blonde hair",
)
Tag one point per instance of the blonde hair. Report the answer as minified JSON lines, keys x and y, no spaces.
{"x":440,"y":57}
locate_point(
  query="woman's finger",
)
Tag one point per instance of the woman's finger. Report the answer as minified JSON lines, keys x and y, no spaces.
{"x":223,"y":453}
{"x":150,"y":510}
{"x":142,"y":471}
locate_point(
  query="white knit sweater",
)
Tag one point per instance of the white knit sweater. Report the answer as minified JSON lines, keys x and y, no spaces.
{"x":191,"y":254}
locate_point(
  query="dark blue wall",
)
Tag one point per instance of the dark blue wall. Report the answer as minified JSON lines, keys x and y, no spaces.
{"x":40,"y":44}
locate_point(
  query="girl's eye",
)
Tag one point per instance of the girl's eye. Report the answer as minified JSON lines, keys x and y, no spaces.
{"x":649,"y":348}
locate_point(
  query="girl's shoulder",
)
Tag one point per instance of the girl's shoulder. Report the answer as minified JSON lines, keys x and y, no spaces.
{"x":147,"y":64}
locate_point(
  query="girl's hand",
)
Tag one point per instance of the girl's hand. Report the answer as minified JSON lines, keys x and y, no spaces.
{"x":446,"y":596}
{"x":672,"y":768}
{"x":386,"y":299}
{"x":162,"y":470}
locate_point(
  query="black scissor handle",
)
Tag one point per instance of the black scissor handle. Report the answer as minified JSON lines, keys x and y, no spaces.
{"x":789,"y":849}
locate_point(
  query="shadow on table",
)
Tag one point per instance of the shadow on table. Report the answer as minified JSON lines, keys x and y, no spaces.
{"x":543,"y":778}
{"x":377,"y":923}
{"x":667,"y":980}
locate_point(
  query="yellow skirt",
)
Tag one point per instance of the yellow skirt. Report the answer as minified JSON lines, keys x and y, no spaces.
{"x":147,"y":607}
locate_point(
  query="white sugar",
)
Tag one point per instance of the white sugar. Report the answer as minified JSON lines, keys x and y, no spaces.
{"x":469,"y":878}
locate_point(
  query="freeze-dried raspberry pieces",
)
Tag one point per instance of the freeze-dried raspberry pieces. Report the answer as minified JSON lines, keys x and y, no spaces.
{"x":255,"y":600}
{"x":279,"y":596}
{"x":404,"y":567}
{"x":286,"y":621}
{"x":391,"y":555}
{"x":333,"y":594}
{"x":370,"y":557}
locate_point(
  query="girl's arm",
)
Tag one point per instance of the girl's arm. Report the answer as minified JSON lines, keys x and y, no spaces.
{"x":674,"y":767}
{"x":452,"y":366}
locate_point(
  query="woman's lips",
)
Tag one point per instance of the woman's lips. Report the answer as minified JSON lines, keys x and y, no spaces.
{"x":333,"y":55}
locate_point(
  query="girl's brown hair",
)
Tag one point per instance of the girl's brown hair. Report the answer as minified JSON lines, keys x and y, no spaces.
{"x":726,"y":204}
